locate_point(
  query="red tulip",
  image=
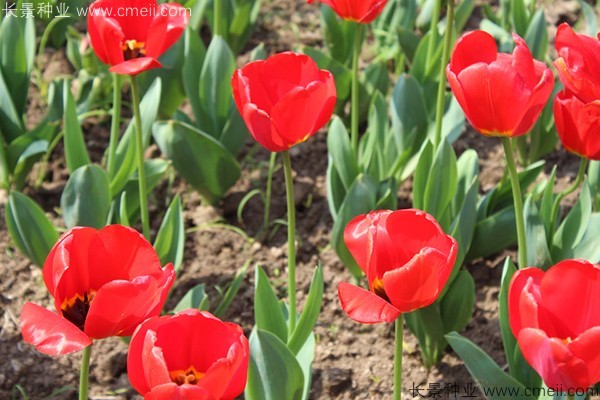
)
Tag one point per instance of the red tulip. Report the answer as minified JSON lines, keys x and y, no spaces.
{"x":284,"y":100}
{"x":361,"y":11}
{"x":578,"y":63}
{"x":190,"y":355}
{"x":500,"y":94}
{"x":104,"y":283}
{"x":555,"y":316}
{"x":131,"y":35}
{"x":578,"y":125}
{"x":407,"y":259}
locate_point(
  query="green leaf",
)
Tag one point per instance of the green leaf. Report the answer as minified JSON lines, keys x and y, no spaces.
{"x":195,"y":54}
{"x":520,"y":17}
{"x":493,"y":234}
{"x":196,"y":298}
{"x":155,"y":170}
{"x":456,"y":307}
{"x":122,"y":205}
{"x":342,"y":155}
{"x":23,"y":152}
{"x":86,"y":198}
{"x":125,"y":155}
{"x":342,"y":74}
{"x":231,"y":292}
{"x":11,"y":125}
{"x":338,"y":34}
{"x":75,"y":151}
{"x":268,"y":313}
{"x":335,"y":189}
{"x":467,"y":170}
{"x":538,"y":254}
{"x":589,"y":15}
{"x":422,"y":175}
{"x":274,"y":372}
{"x":409,"y":114}
{"x":483,"y":369}
{"x":537,"y":36}
{"x":427,"y":325}
{"x":305,"y":358}
{"x":170,"y":238}
{"x":30,"y":229}
{"x":463,"y":226}
{"x":215,"y":85}
{"x":310,"y":314}
{"x":201,"y":160}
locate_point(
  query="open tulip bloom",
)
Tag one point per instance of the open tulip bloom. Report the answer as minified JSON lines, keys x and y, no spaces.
{"x":578,"y":124}
{"x":361,"y":11}
{"x":190,"y":355}
{"x":104,"y":283}
{"x":555,"y":316}
{"x":132,"y":44}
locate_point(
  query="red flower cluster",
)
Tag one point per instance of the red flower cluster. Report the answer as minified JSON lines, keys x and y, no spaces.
{"x":104,"y":283}
{"x":284,"y":100}
{"x":556,"y":318}
{"x":361,"y":11}
{"x":500,"y":94}
{"x":407,"y":259}
{"x":131,"y":36}
{"x":577,"y":108}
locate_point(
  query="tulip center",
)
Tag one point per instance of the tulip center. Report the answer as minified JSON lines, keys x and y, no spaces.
{"x":133,"y":49}
{"x":377,"y":288}
{"x":189,"y":376}
{"x":76,"y":308}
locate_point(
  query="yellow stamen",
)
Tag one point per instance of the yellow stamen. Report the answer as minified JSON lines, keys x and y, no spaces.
{"x":133,"y":49}
{"x":189,"y":376}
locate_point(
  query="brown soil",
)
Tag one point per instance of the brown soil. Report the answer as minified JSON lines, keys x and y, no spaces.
{"x":352,"y":361}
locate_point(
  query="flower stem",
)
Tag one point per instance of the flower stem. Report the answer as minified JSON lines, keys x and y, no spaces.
{"x":84,"y":374}
{"x":355,"y":103}
{"x":139,"y":140}
{"x":439,"y":114}
{"x":518,"y":200}
{"x":115,"y":125}
{"x":218,"y":14}
{"x":578,"y":180}
{"x":269,"y":191}
{"x":291,"y":212}
{"x":399,"y":339}
{"x":433,"y":28}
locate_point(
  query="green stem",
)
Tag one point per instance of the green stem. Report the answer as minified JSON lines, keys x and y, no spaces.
{"x":115,"y":125}
{"x":435,"y":19}
{"x":355,"y":102}
{"x":291,"y":211}
{"x":84,"y":374}
{"x":518,"y":200}
{"x":269,"y":191}
{"x":570,"y":397}
{"x":439,"y":114}
{"x":398,"y":357}
{"x":578,"y":180}
{"x":218,"y":14}
{"x":139,"y":142}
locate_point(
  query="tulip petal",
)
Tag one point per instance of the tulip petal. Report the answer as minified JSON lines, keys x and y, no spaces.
{"x":135,"y":66}
{"x":261,"y":128}
{"x":50,"y":333}
{"x":106,"y":36}
{"x":522,"y":306}
{"x":585,"y":347}
{"x":473,"y":48}
{"x":138,"y":353}
{"x":537,"y":101}
{"x":552,"y":359}
{"x":172,"y":391}
{"x":416,"y":284}
{"x":166,"y":28}
{"x":364,"y":306}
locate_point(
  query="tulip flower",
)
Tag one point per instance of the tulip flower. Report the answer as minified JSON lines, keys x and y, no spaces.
{"x":284,"y":100}
{"x":131,"y":35}
{"x":555,"y":317}
{"x":578,"y":125}
{"x":500,"y":94}
{"x":189,"y":355}
{"x":104,"y":283}
{"x":361,"y":11}
{"x":578,"y":63}
{"x":407,"y":259}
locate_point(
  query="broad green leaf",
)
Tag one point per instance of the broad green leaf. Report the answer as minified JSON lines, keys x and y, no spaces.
{"x":463,"y":226}
{"x":339,"y":35}
{"x":155,"y":170}
{"x":75,"y":151}
{"x":267,"y":310}
{"x":305,"y":359}
{"x":170,"y":238}
{"x":493,"y":234}
{"x":421,"y":176}
{"x":483,"y":369}
{"x":23,"y":152}
{"x":537,"y":36}
{"x":456,"y":307}
{"x":589,"y":15}
{"x":196,"y":298}
{"x":467,"y":169}
{"x":342,"y":74}
{"x":538,"y":254}
{"x":547,"y":205}
{"x":231,"y":291}
{"x":195,"y":54}
{"x":463,"y":13}
{"x":520,"y":17}
{"x":201,"y":160}
{"x":588,"y":247}
{"x":427,"y":325}
{"x":29,"y":228}
{"x":274,"y":372}
{"x":11,"y":125}
{"x":86,"y":198}
{"x":340,"y":150}
{"x":310,"y":313}
{"x":409,"y":114}
{"x":335,"y":189}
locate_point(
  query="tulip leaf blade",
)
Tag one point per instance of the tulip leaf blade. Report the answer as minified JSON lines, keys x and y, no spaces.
{"x":195,"y":54}
{"x":196,"y":298}
{"x":457,"y":305}
{"x":493,"y":234}
{"x":427,"y":325}
{"x":30,"y":229}
{"x":199,"y":158}
{"x":483,"y":369}
{"x":342,"y":155}
{"x":231,"y":291}
{"x":86,"y":198}
{"x":268,"y":312}
{"x":538,"y":254}
{"x":537,"y":36}
{"x":274,"y":373}
{"x":170,"y":238}
{"x":310,"y":313}
{"x":76,"y":153}
{"x":11,"y":124}
{"x":343,"y":75}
